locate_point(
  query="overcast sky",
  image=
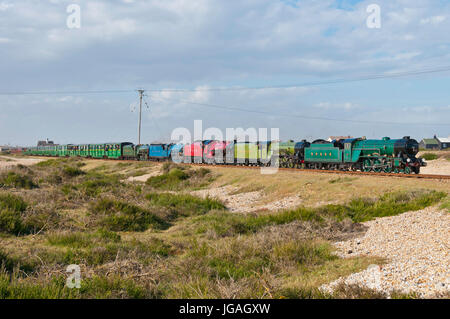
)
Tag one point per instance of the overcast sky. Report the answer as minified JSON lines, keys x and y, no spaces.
{"x":189,"y":44}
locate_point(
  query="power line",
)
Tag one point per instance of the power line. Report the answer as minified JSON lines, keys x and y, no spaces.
{"x":335,"y":81}
{"x":238,"y":109}
{"x":285,"y":86}
{"x":66,"y":92}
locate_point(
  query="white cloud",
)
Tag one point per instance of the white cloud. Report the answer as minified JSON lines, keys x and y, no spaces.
{"x":433,"y":20}
{"x":5,"y":5}
{"x":216,"y":43}
{"x":337,"y":106}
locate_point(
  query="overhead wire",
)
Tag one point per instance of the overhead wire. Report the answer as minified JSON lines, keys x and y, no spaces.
{"x":428,"y":70}
{"x":240,"y":109}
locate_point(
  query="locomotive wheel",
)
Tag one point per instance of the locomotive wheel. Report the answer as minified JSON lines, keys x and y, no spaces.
{"x":388,"y":169}
{"x":377,"y":163}
{"x":407,"y":170}
{"x":367,"y":165}
{"x":291,"y":164}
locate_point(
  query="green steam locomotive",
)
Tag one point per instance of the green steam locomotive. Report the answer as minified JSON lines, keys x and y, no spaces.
{"x":385,"y":155}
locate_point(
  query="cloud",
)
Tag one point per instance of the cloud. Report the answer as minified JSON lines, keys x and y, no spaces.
{"x":211,"y":44}
{"x":5,"y":6}
{"x":337,"y":106}
{"x":433,"y":20}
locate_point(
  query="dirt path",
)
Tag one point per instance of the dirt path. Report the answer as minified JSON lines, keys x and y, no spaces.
{"x":7,"y":161}
{"x":143,"y":178}
{"x":416,"y":246}
{"x":246,"y":202}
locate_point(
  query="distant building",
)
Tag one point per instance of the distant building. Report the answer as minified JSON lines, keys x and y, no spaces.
{"x":444,"y":142}
{"x":47,"y":142}
{"x":429,"y":143}
{"x":5,"y":148}
{"x":336,"y":138}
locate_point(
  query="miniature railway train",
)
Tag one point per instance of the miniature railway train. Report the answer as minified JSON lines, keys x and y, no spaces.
{"x":385,"y":155}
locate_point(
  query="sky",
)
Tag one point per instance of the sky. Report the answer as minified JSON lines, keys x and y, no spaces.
{"x":279,"y":46}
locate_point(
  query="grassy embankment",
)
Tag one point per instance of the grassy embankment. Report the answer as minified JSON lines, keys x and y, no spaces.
{"x":155,"y":240}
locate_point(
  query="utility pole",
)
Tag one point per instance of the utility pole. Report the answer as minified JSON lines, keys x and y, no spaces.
{"x":141,"y":93}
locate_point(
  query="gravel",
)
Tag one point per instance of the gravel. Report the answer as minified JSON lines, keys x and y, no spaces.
{"x":248,"y":201}
{"x":416,"y":246}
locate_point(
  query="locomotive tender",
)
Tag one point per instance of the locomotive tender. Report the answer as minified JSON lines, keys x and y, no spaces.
{"x":385,"y":155}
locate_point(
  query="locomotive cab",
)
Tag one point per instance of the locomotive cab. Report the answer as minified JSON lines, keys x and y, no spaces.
{"x":299,"y":149}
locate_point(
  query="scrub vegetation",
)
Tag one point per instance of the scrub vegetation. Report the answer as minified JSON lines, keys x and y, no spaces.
{"x":156,"y":240}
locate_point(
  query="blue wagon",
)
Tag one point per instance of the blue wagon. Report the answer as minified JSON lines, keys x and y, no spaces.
{"x":157,"y":151}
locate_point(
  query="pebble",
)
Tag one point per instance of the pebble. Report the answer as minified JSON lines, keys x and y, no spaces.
{"x":416,"y":246}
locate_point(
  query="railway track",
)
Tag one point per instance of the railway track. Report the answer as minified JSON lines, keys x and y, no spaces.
{"x":420,"y":176}
{"x":399,"y":175}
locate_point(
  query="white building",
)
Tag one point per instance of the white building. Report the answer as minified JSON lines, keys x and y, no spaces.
{"x":444,"y":142}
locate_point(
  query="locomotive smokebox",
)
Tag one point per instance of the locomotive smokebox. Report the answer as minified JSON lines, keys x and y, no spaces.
{"x":406,"y":146}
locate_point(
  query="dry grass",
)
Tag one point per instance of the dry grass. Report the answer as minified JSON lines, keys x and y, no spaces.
{"x":136,"y":240}
{"x":322,"y":188}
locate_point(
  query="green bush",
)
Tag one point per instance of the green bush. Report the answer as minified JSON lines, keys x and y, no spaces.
{"x":96,"y":183}
{"x":98,"y":287}
{"x":358,"y":210}
{"x":446,"y":204}
{"x":13,"y":202}
{"x":15,"y":180}
{"x":184,"y":204}
{"x":71,"y":171}
{"x":119,"y":216}
{"x":50,"y":163}
{"x":170,"y":180}
{"x":177,"y":179}
{"x":11,"y":264}
{"x":82,"y":239}
{"x":241,"y":258}
{"x":11,"y":222}
{"x":14,"y":219}
{"x":429,"y":156}
{"x":11,"y":210}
